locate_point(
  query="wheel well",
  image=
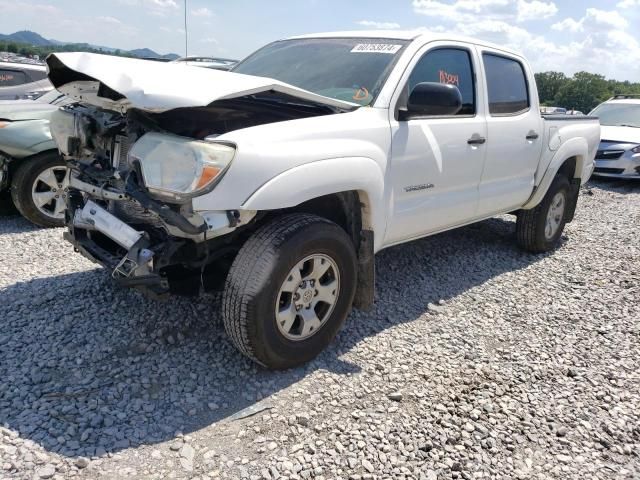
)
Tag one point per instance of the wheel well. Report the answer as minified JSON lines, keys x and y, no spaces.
{"x":14,"y":162}
{"x":350,"y":210}
{"x":568,"y":168}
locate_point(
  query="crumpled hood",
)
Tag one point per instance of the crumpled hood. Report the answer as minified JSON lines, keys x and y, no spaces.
{"x":16,"y":110}
{"x":158,"y":87}
{"x":620,"y":134}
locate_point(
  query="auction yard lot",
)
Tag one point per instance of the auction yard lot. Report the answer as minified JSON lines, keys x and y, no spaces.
{"x":478,"y":361}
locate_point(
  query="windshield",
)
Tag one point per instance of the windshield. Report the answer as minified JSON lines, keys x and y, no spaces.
{"x":618,"y":114}
{"x":349,"y":69}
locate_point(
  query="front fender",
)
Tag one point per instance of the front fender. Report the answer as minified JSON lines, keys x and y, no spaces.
{"x":312,"y":180}
{"x":577,"y":148}
{"x":25,"y":138}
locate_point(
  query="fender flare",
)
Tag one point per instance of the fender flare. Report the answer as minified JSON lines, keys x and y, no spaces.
{"x":574,"y":148}
{"x":325,"y":177}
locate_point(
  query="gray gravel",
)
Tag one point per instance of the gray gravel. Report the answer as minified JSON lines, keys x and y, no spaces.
{"x":478,"y":361}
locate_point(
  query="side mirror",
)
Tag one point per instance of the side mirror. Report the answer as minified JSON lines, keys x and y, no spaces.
{"x":437,"y":99}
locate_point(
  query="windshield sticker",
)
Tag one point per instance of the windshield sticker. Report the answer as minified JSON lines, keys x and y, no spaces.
{"x":361,"y":94}
{"x":376,"y":48}
{"x":449,"y":78}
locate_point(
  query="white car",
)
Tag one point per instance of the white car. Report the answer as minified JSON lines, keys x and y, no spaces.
{"x":22,"y":81}
{"x":283,"y":178}
{"x":619,"y":152}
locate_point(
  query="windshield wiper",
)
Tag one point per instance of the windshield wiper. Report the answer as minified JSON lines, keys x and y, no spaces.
{"x":627,"y":125}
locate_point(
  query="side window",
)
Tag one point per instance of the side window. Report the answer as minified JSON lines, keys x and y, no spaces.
{"x":36,"y":75}
{"x":11,"y":78}
{"x":448,"y":65}
{"x":507,"y":85}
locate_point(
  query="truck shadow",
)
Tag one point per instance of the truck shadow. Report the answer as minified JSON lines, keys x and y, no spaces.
{"x":89,"y":369}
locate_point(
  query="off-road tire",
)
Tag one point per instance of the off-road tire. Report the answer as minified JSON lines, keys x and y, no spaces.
{"x":255,"y":279}
{"x":21,"y":185}
{"x":530,"y":225}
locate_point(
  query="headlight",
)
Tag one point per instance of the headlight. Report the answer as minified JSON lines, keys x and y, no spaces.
{"x":636,"y":150}
{"x":179,"y":167}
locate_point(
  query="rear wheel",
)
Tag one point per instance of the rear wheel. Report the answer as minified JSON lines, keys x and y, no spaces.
{"x":289,"y":290}
{"x":539,"y":229}
{"x":39,"y":189}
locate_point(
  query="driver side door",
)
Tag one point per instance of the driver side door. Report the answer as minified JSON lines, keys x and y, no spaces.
{"x":437,"y":161}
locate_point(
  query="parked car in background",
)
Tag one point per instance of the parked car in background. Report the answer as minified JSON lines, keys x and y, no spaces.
{"x":281,"y":179}
{"x":23,"y":81}
{"x":619,"y":152}
{"x":30,"y":167}
{"x":208,"y":62}
{"x":574,"y":112}
{"x":553,"y":110}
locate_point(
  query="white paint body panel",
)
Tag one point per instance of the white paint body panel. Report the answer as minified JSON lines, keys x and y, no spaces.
{"x":368,"y":150}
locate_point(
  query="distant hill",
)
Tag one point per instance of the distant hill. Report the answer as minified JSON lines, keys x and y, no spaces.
{"x":35,"y":39}
{"x":25,"y":36}
{"x":147,"y":52}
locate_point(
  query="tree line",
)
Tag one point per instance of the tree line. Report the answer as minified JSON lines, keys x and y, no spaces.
{"x":583,"y":92}
{"x":44,"y":50}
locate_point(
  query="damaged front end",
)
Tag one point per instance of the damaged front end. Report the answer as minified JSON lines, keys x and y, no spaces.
{"x":133,"y":215}
{"x":145,"y":139}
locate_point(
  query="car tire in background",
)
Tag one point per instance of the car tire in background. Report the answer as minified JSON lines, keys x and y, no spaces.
{"x":39,"y":188}
{"x":289,"y":290}
{"x":539,"y":229}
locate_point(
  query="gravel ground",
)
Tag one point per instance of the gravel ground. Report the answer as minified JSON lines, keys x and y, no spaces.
{"x":478,"y":361}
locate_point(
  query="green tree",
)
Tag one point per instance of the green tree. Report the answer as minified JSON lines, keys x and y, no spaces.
{"x":12,"y":47}
{"x":583,"y":92}
{"x":549,"y":84}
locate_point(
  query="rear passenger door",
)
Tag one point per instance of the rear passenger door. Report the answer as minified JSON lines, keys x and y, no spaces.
{"x":514,"y":128}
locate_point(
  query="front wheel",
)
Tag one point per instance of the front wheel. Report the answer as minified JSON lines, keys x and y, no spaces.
{"x":289,"y":290}
{"x":539,"y":229}
{"x":39,"y":189}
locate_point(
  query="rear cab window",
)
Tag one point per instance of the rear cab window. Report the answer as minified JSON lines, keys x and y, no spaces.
{"x":507,"y":86}
{"x":12,"y":78}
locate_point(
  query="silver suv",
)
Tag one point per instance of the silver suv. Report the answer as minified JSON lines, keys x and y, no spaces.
{"x":619,"y":152}
{"x":20,"y":81}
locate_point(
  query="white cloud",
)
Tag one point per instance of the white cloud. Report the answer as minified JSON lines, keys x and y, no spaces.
{"x":462,"y":10}
{"x":33,"y":8}
{"x":379,"y":25}
{"x":162,"y":3}
{"x":111,"y":20}
{"x":202,"y":12}
{"x":468,"y":11}
{"x":535,"y":10}
{"x":629,"y":3}
{"x":159,"y":8}
{"x":601,"y":41}
{"x":209,"y":40}
{"x":568,"y":25}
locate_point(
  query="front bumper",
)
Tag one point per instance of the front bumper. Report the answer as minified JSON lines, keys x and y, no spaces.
{"x":128,"y":254}
{"x":626,"y":165}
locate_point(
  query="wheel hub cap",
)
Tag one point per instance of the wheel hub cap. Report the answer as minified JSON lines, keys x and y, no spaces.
{"x":49,"y":192}
{"x":307,"y":297}
{"x":554,"y":216}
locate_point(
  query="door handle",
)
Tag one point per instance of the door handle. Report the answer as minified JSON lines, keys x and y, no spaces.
{"x":476,"y":140}
{"x":532,"y":135}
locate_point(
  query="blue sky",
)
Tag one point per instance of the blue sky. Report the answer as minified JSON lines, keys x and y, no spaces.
{"x":600,"y":36}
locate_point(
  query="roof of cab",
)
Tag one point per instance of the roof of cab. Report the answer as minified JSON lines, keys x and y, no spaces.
{"x":408,"y":35}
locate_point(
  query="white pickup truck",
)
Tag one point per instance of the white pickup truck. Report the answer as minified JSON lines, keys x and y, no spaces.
{"x":281,"y":179}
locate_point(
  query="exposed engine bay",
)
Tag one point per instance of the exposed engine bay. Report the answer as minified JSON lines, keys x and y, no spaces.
{"x":147,"y":239}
